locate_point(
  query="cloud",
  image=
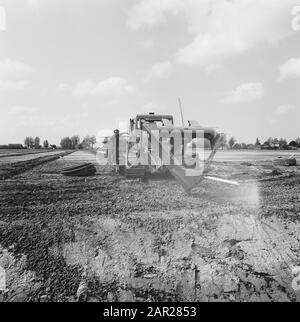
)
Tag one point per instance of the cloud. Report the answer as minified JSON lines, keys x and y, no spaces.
{"x":284,"y":109}
{"x":13,"y":84}
{"x":148,"y":13}
{"x":20,"y":109}
{"x":290,"y":69}
{"x":210,"y":69}
{"x":159,"y":70}
{"x":13,"y":68}
{"x":63,"y":87}
{"x":206,"y":49}
{"x":244,"y":93}
{"x":147,"y":44}
{"x":220,"y":29}
{"x":110,"y":86}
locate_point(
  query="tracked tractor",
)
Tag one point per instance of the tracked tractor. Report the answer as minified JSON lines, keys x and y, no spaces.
{"x":153,"y":144}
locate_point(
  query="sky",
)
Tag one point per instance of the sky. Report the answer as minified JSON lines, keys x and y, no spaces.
{"x":83,"y":66}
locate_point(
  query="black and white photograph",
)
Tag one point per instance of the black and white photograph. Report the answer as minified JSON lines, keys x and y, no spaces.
{"x":149,"y":153}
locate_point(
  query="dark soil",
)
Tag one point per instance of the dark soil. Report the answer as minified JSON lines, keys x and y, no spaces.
{"x":127,"y":240}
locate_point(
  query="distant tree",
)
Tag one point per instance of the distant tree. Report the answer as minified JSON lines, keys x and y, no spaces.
{"x":27,"y":142}
{"x":231,"y":142}
{"x":283,"y":144}
{"x":275,"y":144}
{"x":31,"y":142}
{"x":298,"y":142}
{"x":36,"y":142}
{"x":46,"y":144}
{"x":66,"y":143}
{"x":266,"y":145}
{"x":88,"y":141}
{"x":257,"y":142}
{"x":271,"y":144}
{"x":70,"y":143}
{"x":75,"y":141}
{"x":93,"y":140}
{"x":244,"y":146}
{"x":270,"y":141}
{"x":223,"y":143}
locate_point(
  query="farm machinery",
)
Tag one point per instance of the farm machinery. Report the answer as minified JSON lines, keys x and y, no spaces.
{"x":153,"y":144}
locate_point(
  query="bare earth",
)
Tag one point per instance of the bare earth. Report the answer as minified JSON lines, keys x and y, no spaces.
{"x":107,"y":238}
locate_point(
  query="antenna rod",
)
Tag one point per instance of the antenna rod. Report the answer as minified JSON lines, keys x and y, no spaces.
{"x":180,"y":106}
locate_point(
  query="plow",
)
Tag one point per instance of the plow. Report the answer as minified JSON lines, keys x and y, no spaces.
{"x":153,"y":144}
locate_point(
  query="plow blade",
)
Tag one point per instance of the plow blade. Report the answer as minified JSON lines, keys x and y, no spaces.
{"x":187,"y":182}
{"x":191,"y":182}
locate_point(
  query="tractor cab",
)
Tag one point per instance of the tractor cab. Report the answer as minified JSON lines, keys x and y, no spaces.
{"x":146,"y":121}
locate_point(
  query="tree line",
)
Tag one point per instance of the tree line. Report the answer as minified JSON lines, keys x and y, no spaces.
{"x":68,"y":143}
{"x":269,"y":144}
{"x":74,"y":142}
{"x":35,"y":143}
